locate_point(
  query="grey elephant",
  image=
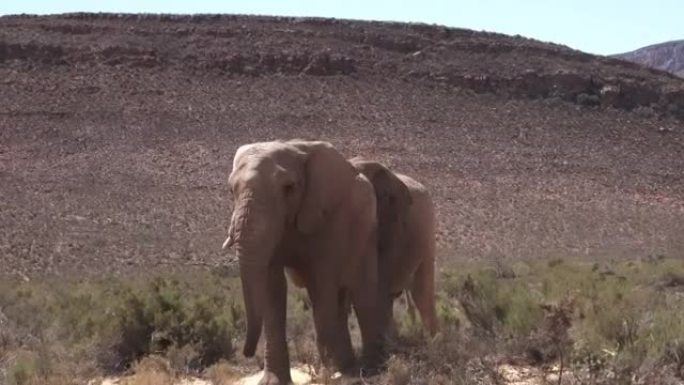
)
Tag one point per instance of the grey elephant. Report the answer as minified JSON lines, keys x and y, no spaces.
{"x":301,"y":207}
{"x":406,"y":243}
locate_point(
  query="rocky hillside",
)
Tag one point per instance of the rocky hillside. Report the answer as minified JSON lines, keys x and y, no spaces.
{"x":117,"y":134}
{"x":667,"y":56}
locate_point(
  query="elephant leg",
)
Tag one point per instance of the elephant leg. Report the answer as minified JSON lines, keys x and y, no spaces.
{"x":317,"y":307}
{"x":331,"y":344}
{"x":385,"y":297}
{"x":423,"y":294}
{"x":367,"y":313}
{"x":277,"y":361}
{"x":385,"y":311}
{"x":345,"y":349}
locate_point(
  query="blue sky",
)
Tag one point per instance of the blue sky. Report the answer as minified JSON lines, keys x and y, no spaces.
{"x":596,"y":26}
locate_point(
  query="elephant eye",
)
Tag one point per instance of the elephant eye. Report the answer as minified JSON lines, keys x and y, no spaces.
{"x":288,"y":188}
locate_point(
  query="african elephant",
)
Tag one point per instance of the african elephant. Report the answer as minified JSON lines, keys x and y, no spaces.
{"x":406,"y":242}
{"x":301,"y":207}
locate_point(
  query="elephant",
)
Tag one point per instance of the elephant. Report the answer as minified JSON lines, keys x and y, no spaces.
{"x":303,"y":210}
{"x":406,"y":243}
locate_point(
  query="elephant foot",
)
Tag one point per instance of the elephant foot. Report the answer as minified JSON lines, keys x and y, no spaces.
{"x":372,"y":364}
{"x":368,"y":371}
{"x":345,"y":371}
{"x":270,"y":378}
{"x":350,"y":380}
{"x":346,"y":364}
{"x":324,"y":375}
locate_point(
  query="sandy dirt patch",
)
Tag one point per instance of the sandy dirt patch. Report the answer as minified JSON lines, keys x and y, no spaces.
{"x":509,"y":374}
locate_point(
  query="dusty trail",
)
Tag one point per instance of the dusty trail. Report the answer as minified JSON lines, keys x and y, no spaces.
{"x":508,"y":375}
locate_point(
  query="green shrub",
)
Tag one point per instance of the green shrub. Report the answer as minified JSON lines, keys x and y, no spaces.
{"x":195,"y":319}
{"x":617,"y":318}
{"x":166,"y":315}
{"x":22,"y":369}
{"x":448,"y":314}
{"x":497,"y":306}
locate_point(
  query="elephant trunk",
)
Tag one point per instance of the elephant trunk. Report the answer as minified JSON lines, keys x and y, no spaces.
{"x":254,"y":292}
{"x":254,"y":244}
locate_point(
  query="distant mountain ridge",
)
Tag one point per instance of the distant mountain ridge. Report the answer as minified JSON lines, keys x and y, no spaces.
{"x":668,"y":56}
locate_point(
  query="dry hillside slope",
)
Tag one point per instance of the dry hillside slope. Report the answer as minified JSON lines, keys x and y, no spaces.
{"x":117,"y":134}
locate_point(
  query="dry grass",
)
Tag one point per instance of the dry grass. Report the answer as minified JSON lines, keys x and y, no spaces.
{"x":591,"y":323}
{"x":151,"y":370}
{"x":605,"y":323}
{"x":82,"y":328}
{"x":222,"y":373}
{"x":398,"y":372}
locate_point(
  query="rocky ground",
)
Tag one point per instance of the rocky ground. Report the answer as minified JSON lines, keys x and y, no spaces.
{"x":117,"y":134}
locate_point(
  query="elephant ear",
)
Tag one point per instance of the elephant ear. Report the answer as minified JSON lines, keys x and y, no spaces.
{"x":393,"y":196}
{"x":394,"y":201}
{"x":328,"y":180}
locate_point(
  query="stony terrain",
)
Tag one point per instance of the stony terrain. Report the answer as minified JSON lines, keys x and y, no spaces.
{"x":667,"y":56}
{"x":117,"y":134}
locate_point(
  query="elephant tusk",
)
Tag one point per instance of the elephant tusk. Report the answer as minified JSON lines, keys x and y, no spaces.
{"x":228,"y":242}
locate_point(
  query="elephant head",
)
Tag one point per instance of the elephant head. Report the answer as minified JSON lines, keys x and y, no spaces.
{"x":281,"y":189}
{"x":393,"y":199}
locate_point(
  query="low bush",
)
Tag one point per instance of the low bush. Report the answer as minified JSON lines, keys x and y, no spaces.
{"x":615,"y":322}
{"x":110,"y":324}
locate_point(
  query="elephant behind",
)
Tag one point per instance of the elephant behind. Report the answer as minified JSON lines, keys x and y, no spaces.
{"x":406,"y":242}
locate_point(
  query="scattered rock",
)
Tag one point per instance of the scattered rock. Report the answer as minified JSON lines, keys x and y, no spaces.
{"x":670,"y":281}
{"x":520,"y":375}
{"x":602,"y":269}
{"x":585,"y":99}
